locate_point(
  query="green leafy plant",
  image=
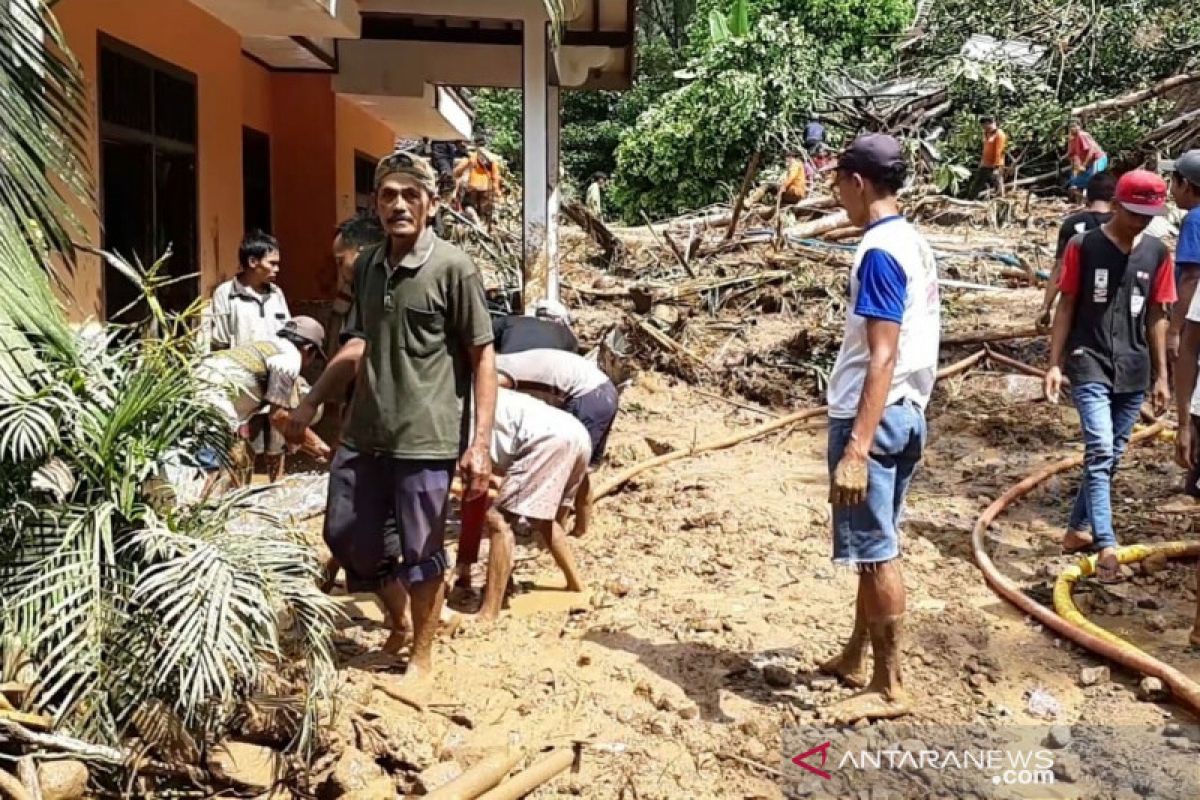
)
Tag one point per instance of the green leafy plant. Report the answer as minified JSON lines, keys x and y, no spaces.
{"x":114,"y":598}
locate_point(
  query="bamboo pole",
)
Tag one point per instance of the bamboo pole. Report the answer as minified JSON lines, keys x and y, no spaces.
{"x":525,"y":782}
{"x":479,"y":778}
{"x":615,"y":482}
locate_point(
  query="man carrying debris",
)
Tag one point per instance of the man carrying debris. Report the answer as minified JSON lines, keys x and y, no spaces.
{"x":548,"y":329}
{"x":543,"y":455}
{"x":262,"y":377}
{"x":594,"y":196}
{"x":794,"y":186}
{"x":1085,"y":155}
{"x":878,"y":392}
{"x":569,"y":381}
{"x":251,"y":308}
{"x":419,"y":325}
{"x":480,"y":175}
{"x":991,"y":163}
{"x":1099,"y":194}
{"x":1185,"y":189}
{"x":1110,"y":333}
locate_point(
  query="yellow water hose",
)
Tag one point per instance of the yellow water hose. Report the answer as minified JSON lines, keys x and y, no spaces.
{"x":1064,"y":603}
{"x":1099,"y":641}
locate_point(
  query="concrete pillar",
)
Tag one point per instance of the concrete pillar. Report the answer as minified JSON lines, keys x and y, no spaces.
{"x":535,"y":83}
{"x":554,"y":188}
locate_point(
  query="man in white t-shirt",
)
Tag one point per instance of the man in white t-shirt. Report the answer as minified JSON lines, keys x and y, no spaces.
{"x":543,"y":456}
{"x":251,"y":308}
{"x":565,"y":380}
{"x":878,"y":392}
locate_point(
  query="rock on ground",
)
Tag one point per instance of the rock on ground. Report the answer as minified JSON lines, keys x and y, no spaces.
{"x":63,"y":780}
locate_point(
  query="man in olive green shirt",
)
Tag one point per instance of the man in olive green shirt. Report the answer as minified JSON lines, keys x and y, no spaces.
{"x":419,"y":339}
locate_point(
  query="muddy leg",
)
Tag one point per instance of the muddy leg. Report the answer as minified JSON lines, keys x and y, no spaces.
{"x":395,"y":600}
{"x":583,"y":507}
{"x":850,"y":666}
{"x":275,"y":466}
{"x":427,"y":598}
{"x":329,"y":575}
{"x":551,"y":534}
{"x":884,"y":604}
{"x":499,"y":567}
{"x":1195,"y":637}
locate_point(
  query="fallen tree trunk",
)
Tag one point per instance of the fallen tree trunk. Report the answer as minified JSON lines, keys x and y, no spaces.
{"x":816,"y":227}
{"x":601,"y":491}
{"x":614,"y":248}
{"x":751,"y":171}
{"x":982,"y":337}
{"x":1168,"y":128}
{"x":1133,"y":98}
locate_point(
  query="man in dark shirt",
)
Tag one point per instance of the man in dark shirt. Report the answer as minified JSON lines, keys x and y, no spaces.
{"x":1099,"y":209}
{"x":548,"y":329}
{"x":1110,"y":330}
{"x":419,"y":327}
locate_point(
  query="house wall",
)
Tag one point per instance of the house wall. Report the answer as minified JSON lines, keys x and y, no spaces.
{"x":177,"y":32}
{"x":357,"y":133}
{"x":314,"y":137}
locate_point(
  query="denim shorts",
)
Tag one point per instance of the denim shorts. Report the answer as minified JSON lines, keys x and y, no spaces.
{"x":385,"y":518}
{"x":868,"y":533}
{"x":596,"y":410}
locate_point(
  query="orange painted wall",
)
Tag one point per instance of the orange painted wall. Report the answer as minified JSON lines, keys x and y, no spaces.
{"x":257,"y":102}
{"x":303,"y":144}
{"x":357,"y":132}
{"x":180,"y":33}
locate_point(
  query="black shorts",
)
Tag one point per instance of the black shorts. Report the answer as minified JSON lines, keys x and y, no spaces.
{"x":385,"y":518}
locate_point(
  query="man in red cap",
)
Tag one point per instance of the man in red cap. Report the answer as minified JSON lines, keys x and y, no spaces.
{"x":1110,"y":335}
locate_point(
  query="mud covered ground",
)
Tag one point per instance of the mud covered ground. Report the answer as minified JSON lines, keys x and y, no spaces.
{"x":688,"y":669}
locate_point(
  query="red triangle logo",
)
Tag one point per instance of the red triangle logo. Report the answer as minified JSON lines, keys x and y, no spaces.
{"x":801,"y":760}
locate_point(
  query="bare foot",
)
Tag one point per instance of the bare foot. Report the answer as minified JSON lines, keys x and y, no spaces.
{"x":1076,"y":541}
{"x":414,"y":689}
{"x":871,"y":704}
{"x":395,"y":642}
{"x":847,"y":669}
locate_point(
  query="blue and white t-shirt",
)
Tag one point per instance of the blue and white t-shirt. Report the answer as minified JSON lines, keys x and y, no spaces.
{"x":894,"y":278}
{"x":1187,"y":249}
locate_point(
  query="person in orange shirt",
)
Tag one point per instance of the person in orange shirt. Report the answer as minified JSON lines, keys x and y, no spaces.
{"x":991,"y":164}
{"x":795,"y":180}
{"x":480,"y":174}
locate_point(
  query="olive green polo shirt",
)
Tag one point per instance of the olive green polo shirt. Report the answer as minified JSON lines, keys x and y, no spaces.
{"x":418,"y":320}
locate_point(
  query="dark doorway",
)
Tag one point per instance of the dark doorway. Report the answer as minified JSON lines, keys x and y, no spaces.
{"x":148,"y":175}
{"x":364,"y":182}
{"x":256,"y":181}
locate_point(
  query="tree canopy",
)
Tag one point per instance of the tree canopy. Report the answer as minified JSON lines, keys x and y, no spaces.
{"x":720,"y":79}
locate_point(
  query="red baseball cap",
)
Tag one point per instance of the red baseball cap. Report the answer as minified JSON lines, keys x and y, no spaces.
{"x":1142,"y":192}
